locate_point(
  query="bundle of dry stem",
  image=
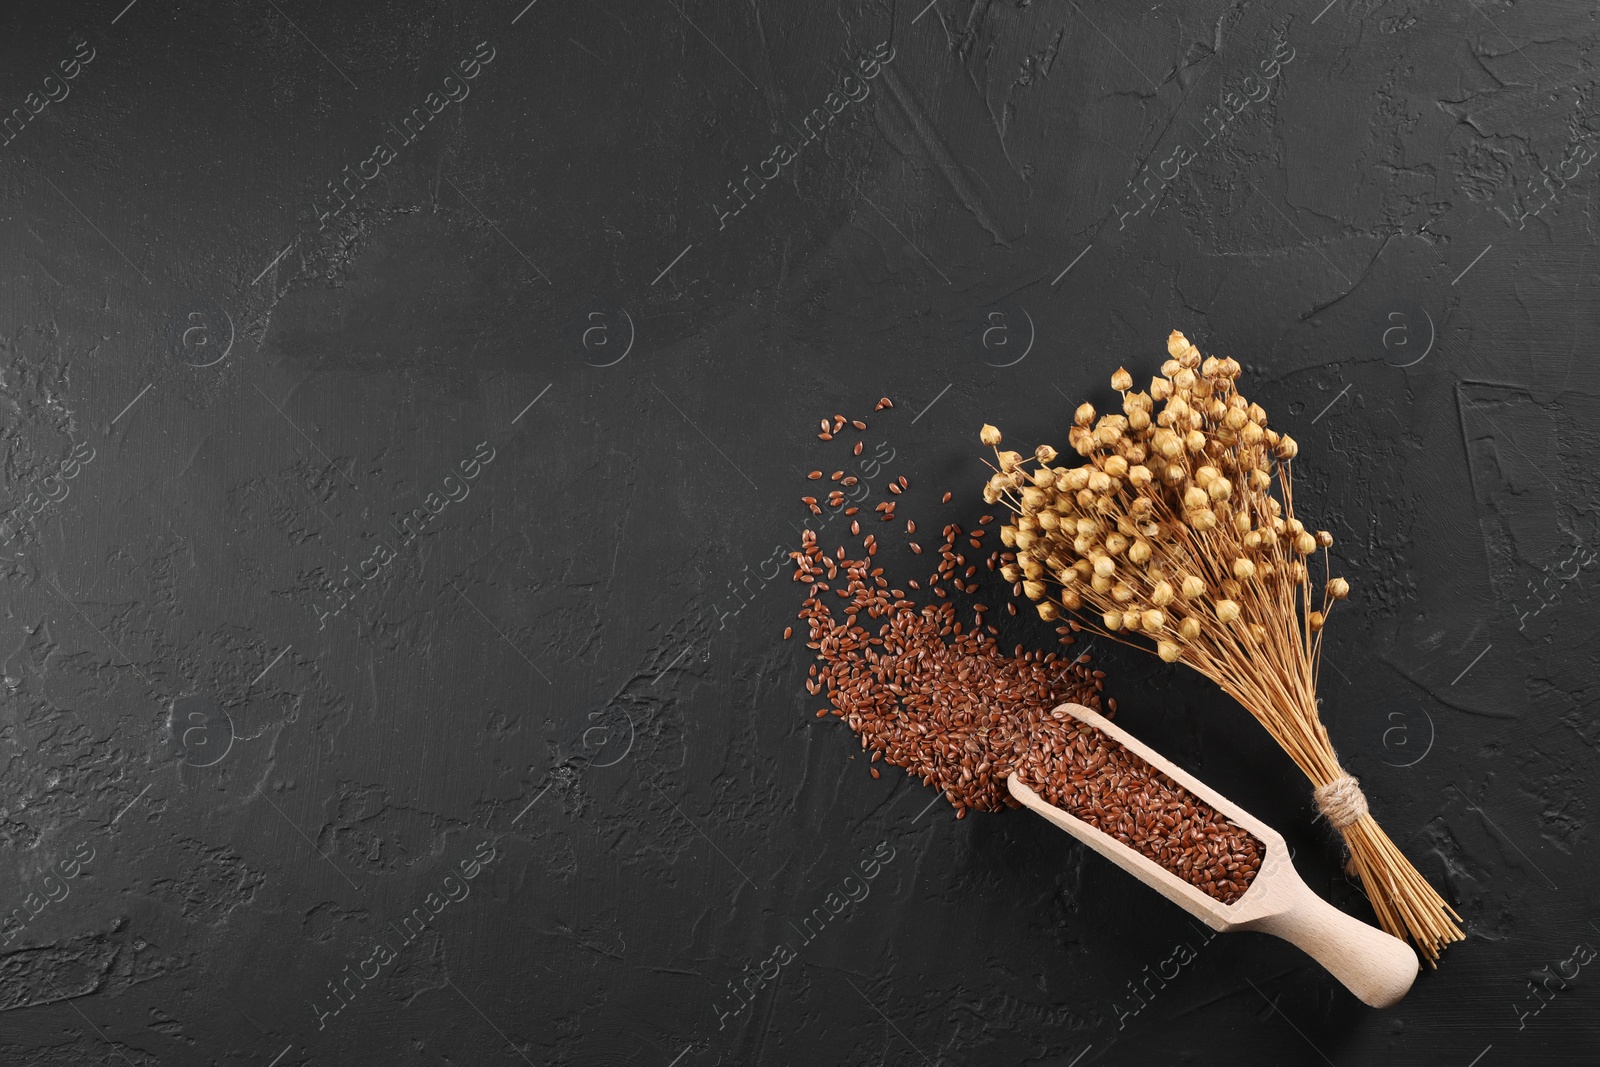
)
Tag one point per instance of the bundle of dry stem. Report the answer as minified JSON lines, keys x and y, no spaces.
{"x":1169,"y":531}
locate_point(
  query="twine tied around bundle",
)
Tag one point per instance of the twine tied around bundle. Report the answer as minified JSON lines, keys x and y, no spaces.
{"x":1341,"y":800}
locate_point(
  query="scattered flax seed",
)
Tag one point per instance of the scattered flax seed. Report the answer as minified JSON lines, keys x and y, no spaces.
{"x":944,"y":702}
{"x":814,"y":475}
{"x":836,"y":475}
{"x":916,"y":548}
{"x":883,"y":402}
{"x":808,"y":500}
{"x":911,"y":527}
{"x":903,"y":483}
{"x":894,"y":487}
{"x":855,"y":528}
{"x":858,"y":424}
{"x":824,"y":425}
{"x":946,"y":499}
{"x":824,"y":436}
{"x":851,"y":510}
{"x":857,"y":449}
{"x":788,"y":632}
{"x":850,"y":480}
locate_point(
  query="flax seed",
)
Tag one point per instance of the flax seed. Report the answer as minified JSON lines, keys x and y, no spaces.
{"x":937,"y":697}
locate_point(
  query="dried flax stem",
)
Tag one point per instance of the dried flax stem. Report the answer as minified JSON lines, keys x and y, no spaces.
{"x":1169,"y":531}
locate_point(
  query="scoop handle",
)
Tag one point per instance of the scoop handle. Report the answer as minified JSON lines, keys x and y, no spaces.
{"x":1377,"y":967}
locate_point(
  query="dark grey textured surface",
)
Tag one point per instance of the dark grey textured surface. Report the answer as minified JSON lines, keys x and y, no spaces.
{"x":553,"y":711}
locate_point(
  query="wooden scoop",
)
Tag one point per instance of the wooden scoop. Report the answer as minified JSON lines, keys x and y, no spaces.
{"x":1375,"y":966}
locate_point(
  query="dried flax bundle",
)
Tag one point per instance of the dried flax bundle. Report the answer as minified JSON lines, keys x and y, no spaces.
{"x":1169,"y":531}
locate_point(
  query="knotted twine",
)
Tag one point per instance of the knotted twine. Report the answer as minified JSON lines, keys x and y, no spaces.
{"x":1341,"y":800}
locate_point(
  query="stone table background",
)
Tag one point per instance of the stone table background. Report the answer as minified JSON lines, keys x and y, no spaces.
{"x":574,"y":316}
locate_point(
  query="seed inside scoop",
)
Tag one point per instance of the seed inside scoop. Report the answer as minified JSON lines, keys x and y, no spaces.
{"x":1091,"y":776}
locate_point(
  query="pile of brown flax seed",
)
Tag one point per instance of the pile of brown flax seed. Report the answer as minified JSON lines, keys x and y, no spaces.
{"x":942,"y":700}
